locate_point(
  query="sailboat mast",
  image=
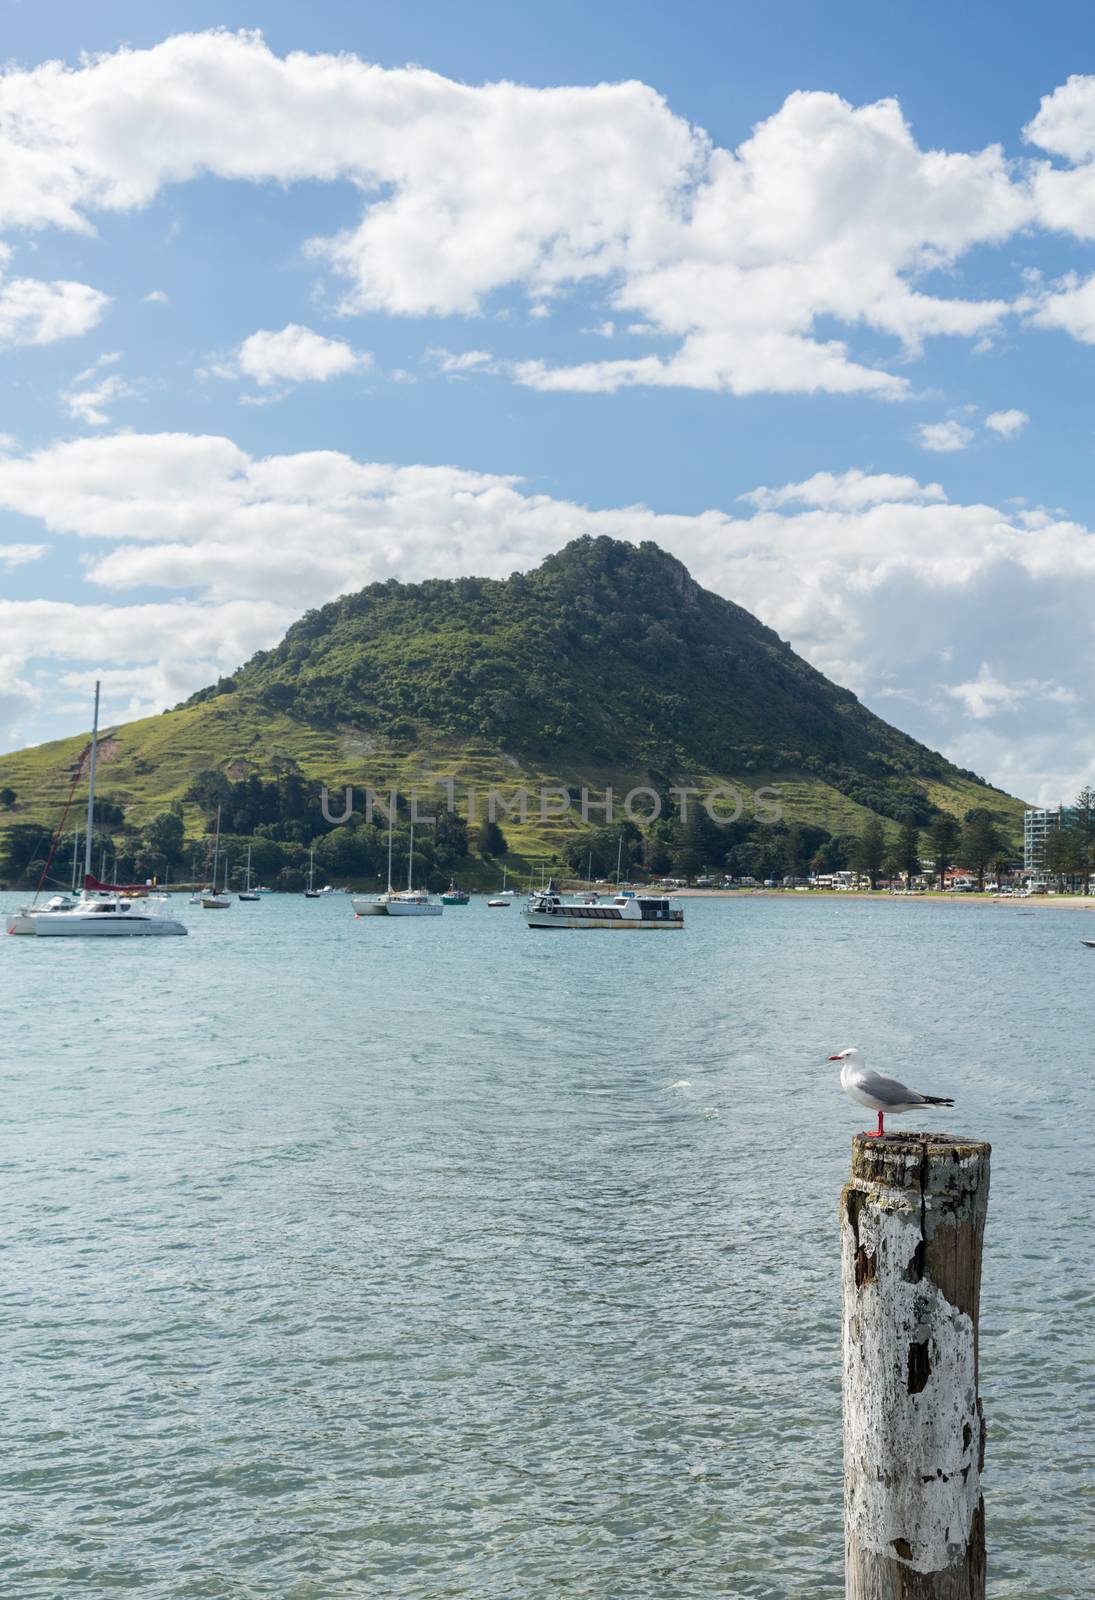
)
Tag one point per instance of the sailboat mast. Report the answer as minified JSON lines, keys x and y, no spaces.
{"x":216,"y":847}
{"x":75,"y":858}
{"x":619,"y":858}
{"x":391,"y":815}
{"x":91,"y":784}
{"x":410,"y":860}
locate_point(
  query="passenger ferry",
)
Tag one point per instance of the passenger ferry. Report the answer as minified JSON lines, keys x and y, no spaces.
{"x":630,"y":911}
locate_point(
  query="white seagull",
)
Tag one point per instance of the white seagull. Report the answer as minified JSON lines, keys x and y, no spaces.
{"x":882,"y":1094}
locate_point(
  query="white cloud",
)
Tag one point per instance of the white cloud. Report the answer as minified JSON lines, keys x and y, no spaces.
{"x":296,"y":354}
{"x":20,"y":555}
{"x":1069,"y":305}
{"x":943,"y":437}
{"x":18,"y":698}
{"x":466,"y":361}
{"x":1007,"y":423}
{"x":844,"y":491}
{"x":827,"y":213}
{"x":987,"y":695}
{"x":155,"y":297}
{"x":89,"y":397}
{"x":35,"y":312}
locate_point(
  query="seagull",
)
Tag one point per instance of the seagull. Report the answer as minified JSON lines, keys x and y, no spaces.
{"x":882,"y":1094}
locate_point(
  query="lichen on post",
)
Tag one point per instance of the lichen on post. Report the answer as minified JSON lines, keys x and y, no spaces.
{"x":912,"y":1226}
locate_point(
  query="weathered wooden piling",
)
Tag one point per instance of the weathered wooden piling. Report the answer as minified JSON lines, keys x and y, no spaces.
{"x":912,"y":1226}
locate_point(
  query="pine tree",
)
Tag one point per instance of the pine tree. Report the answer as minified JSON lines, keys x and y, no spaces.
{"x":981,"y":841}
{"x":943,"y":837}
{"x":869,"y":850}
{"x":490,"y":840}
{"x":907,"y":851}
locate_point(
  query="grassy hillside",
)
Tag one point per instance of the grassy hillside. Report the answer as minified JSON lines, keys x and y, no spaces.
{"x":607,"y":665}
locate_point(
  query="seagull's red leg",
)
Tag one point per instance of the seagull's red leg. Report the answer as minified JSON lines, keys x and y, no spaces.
{"x":879,"y":1132}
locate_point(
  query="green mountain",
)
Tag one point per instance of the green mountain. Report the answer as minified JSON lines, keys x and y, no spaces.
{"x":607,"y":665}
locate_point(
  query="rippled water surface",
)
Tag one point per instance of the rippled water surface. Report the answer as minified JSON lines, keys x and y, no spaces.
{"x":441,"y":1258}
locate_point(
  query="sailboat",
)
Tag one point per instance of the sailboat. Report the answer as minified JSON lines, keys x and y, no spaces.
{"x":376,"y":905}
{"x":312,"y":893}
{"x":213,"y":899}
{"x":412,"y":902}
{"x":103,"y":910}
{"x":503,"y":889}
{"x":247,"y":893}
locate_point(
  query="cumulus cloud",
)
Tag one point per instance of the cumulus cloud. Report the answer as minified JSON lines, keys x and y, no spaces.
{"x":845,"y":491}
{"x":92,"y":392}
{"x":18,"y":697}
{"x":1069,"y":305}
{"x":943,"y":437}
{"x":875,"y":578}
{"x":156,"y":297}
{"x":466,"y":361}
{"x":828,"y":213}
{"x":296,"y":354}
{"x":987,"y":695}
{"x":20,"y":555}
{"x":1007,"y":423}
{"x":35,"y":312}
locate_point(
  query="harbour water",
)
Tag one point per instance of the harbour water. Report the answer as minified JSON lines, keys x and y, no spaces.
{"x":440,"y":1258}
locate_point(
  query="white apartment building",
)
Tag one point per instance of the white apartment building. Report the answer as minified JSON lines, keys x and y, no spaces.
{"x":1037,"y":824}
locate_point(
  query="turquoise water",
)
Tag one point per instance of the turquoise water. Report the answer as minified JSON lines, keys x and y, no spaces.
{"x":441,"y":1258}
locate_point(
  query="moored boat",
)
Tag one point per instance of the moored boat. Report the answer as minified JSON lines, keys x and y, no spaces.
{"x":247,"y":893}
{"x":212,"y":899}
{"x":410,"y":902}
{"x":102,"y":909}
{"x":628,"y":912}
{"x":454,"y":896}
{"x":376,"y":905}
{"x":111,"y":916}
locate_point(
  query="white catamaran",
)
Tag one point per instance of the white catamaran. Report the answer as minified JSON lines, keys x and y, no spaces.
{"x":103,"y":910}
{"x":376,"y":905}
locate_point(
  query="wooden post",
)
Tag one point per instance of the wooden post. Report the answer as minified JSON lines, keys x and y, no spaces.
{"x":912,"y":1223}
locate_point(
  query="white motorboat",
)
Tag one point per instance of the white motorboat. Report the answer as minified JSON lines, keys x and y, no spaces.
{"x":627,"y":912}
{"x":501,"y":905}
{"x":111,"y":916}
{"x":214,"y":899}
{"x":412,"y":902}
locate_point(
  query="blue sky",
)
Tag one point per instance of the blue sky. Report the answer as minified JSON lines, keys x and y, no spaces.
{"x":409,"y":324}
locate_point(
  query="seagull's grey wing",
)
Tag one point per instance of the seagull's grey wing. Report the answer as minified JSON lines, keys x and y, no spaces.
{"x":888,"y":1090}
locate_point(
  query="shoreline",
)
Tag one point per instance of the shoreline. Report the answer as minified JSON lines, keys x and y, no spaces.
{"x":1067,"y":902}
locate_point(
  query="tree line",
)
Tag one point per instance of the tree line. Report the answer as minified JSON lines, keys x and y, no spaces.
{"x":695,"y":846}
{"x":1070,"y":849}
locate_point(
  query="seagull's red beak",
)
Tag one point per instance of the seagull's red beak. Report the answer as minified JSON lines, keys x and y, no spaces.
{"x":836,"y":1058}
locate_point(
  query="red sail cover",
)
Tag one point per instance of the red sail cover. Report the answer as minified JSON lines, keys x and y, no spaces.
{"x":115,"y":888}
